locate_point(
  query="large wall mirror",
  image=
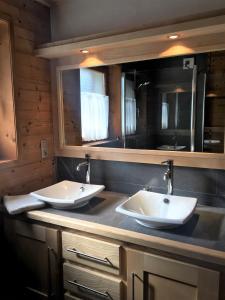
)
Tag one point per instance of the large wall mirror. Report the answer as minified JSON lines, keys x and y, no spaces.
{"x":168,"y":104}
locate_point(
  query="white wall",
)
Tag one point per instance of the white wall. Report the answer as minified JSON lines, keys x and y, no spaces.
{"x":71,"y":18}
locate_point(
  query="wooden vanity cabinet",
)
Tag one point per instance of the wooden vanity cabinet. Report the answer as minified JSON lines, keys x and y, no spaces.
{"x":34,"y":251}
{"x":154,"y":277}
{"x":68,"y":296}
{"x":97,"y":268}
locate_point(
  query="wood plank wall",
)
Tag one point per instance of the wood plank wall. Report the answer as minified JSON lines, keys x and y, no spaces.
{"x":114,"y":76}
{"x":215,"y":101}
{"x":31,"y":25}
{"x":72,"y":107}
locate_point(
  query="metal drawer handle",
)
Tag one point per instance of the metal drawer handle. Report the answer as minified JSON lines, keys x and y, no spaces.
{"x":101,"y":260}
{"x":81,"y":286}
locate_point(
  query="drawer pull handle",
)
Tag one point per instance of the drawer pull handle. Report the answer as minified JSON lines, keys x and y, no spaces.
{"x":100,"y":260}
{"x":81,"y":286}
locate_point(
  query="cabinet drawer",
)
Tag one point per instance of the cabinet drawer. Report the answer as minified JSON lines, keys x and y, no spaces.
{"x":68,"y":296}
{"x":91,"y":284}
{"x":91,"y":252}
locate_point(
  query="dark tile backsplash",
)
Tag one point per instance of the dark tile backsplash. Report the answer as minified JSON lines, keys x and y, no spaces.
{"x":207,"y":185}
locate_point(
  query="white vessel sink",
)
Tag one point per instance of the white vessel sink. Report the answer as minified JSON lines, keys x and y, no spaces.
{"x":68,"y":194}
{"x":158,"y":210}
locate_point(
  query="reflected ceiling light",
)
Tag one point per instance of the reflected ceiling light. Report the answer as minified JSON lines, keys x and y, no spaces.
{"x":176,"y":50}
{"x":91,"y":61}
{"x":211,"y":95}
{"x":84,"y":51}
{"x":173,"y":36}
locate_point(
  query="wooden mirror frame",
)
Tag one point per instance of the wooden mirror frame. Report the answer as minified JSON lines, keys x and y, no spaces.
{"x":199,"y":36}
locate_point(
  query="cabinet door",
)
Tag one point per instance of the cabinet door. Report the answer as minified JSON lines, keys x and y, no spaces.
{"x":158,"y":278}
{"x":35,"y":251}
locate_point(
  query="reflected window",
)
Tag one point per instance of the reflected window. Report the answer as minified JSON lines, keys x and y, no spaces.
{"x":94,"y":105}
{"x":165,"y":114}
{"x":130,"y":108}
{"x":175,"y":110}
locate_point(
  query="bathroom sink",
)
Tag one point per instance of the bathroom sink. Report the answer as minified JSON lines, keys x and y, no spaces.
{"x":158,"y":210}
{"x":68,"y":194}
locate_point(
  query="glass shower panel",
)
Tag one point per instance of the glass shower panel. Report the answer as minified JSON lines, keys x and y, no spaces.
{"x":159,"y":109}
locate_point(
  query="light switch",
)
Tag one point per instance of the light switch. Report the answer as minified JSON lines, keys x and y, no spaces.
{"x":44,"y":149}
{"x":188,"y":63}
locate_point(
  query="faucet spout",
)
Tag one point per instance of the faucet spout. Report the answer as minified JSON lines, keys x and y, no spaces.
{"x":87,"y":164}
{"x":168,"y":176}
{"x":80,"y":165}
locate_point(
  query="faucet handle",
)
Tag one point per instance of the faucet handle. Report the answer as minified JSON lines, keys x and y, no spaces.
{"x":168,"y":162}
{"x":147,"y":188}
{"x":87,"y":156}
{"x":166,"y":175}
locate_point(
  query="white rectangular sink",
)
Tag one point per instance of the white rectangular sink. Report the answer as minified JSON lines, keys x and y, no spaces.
{"x":68,"y":194}
{"x":158,"y":210}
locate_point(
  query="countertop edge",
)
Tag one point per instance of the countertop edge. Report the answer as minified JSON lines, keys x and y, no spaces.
{"x":127,"y":236}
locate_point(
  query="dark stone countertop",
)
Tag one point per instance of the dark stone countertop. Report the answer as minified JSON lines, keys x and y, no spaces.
{"x":206,"y":228}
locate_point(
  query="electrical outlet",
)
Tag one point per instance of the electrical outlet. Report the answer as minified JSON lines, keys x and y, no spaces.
{"x":44,"y":149}
{"x":188,"y":63}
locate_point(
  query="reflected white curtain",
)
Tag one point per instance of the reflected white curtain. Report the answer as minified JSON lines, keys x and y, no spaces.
{"x":130,"y":108}
{"x":94,"y":105}
{"x":165,"y":115}
{"x":94,"y":116}
{"x":130,"y":115}
{"x":92,"y":81}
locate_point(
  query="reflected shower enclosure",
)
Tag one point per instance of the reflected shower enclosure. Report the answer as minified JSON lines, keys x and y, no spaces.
{"x":163,"y":100}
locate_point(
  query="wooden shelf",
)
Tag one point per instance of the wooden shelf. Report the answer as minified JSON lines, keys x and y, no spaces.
{"x":214,"y":129}
{"x":216,"y":97}
{"x":155,"y":40}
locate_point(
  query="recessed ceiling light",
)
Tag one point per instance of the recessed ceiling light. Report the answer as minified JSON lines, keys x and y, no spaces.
{"x":173,"y":36}
{"x":84,"y":51}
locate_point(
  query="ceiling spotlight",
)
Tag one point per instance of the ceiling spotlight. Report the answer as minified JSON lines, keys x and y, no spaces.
{"x":173,"y":36}
{"x":84,"y":51}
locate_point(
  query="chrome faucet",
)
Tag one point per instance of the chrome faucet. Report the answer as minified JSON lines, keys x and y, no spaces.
{"x":168,"y":176}
{"x":87,"y":164}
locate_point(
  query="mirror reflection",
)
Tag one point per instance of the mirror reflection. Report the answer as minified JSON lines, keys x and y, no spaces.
{"x":175,"y":104}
